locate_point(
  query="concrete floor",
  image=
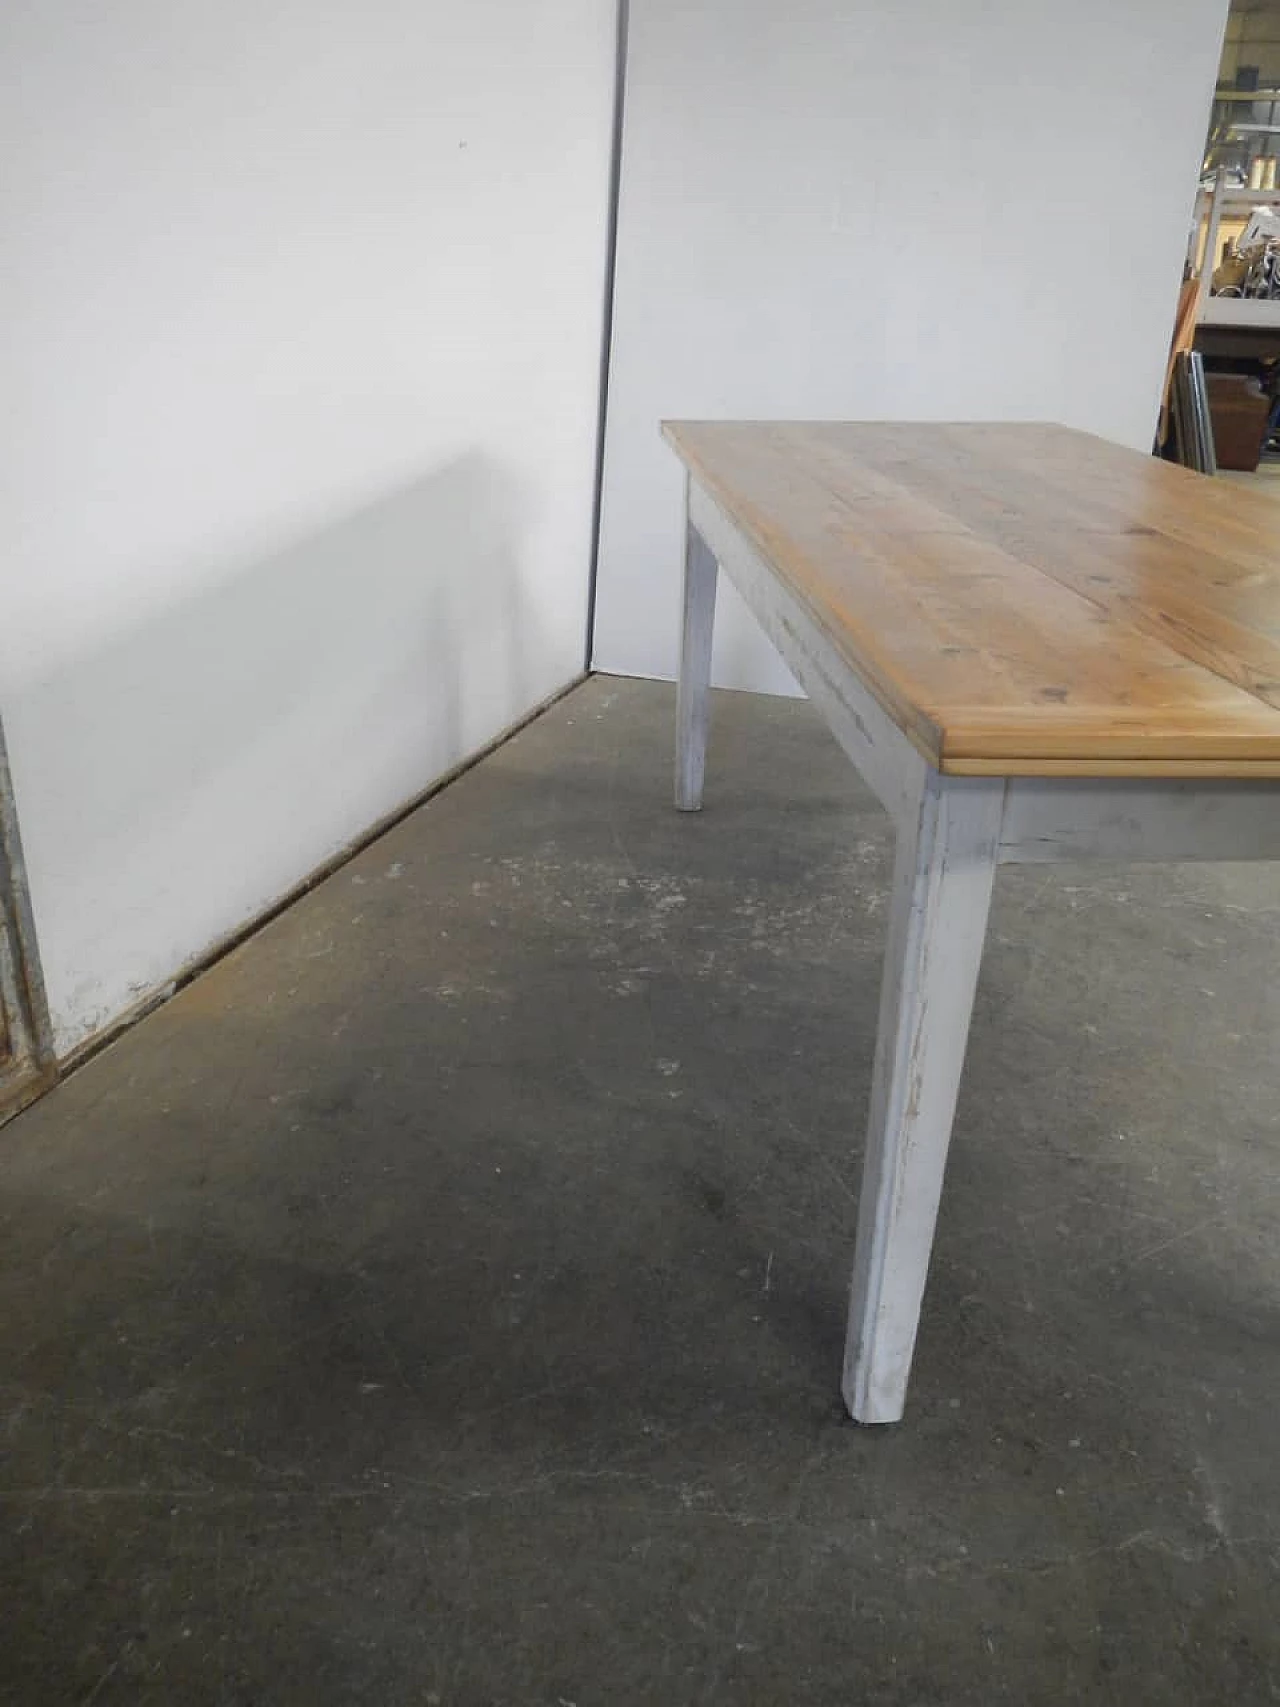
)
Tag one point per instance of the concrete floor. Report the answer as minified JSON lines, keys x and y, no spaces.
{"x":441,"y":1301}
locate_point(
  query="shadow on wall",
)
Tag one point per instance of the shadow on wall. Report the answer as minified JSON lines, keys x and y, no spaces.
{"x":183,"y":777}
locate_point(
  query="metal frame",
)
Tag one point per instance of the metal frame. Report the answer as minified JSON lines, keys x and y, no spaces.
{"x":952,"y":834}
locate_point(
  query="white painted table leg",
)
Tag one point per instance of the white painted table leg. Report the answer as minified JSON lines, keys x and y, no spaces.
{"x":693,"y":701}
{"x":943,"y":872}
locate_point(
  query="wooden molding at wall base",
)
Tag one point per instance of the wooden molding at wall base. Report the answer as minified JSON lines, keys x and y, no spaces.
{"x":222,"y":946}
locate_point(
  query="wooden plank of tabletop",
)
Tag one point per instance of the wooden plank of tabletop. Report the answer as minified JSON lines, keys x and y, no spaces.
{"x":1195,"y":569}
{"x":1022,"y":600}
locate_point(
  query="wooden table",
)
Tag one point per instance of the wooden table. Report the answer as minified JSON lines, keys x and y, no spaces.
{"x":1033,"y":645}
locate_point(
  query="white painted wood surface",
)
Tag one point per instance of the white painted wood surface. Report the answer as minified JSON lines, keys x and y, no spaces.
{"x":882,"y":754}
{"x":1133,"y":819}
{"x":952,"y":833}
{"x":942,"y":880}
{"x":693,"y":698}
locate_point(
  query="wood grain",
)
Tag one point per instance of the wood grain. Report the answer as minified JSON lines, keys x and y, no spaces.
{"x":1021,"y":599}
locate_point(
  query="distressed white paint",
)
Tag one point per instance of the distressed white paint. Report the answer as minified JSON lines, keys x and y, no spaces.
{"x":1128,"y":818}
{"x":693,"y":699}
{"x":300,"y":319}
{"x":847,"y":208}
{"x":943,"y":870}
{"x":952,"y":833}
{"x":890,"y":765}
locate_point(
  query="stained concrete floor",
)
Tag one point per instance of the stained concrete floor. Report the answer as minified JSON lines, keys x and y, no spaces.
{"x":441,"y":1301}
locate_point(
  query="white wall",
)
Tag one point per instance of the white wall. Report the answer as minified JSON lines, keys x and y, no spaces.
{"x":300,"y":317}
{"x":829,"y":208}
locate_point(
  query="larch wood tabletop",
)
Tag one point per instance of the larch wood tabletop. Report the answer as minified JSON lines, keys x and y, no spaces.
{"x":1022,"y":600}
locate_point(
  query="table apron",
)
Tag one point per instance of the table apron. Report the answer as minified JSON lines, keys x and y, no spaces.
{"x":890,"y":764}
{"x":1139,"y":818}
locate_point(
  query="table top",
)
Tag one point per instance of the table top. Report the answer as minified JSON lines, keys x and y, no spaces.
{"x":1023,"y":600}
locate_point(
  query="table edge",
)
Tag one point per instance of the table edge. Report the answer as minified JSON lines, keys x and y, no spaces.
{"x":917,"y":724}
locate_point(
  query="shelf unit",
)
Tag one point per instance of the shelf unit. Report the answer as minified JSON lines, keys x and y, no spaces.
{"x":1229,"y":310}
